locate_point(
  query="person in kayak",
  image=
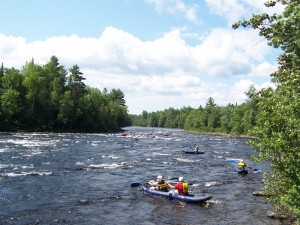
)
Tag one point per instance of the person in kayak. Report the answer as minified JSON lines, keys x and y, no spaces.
{"x":241,"y":165}
{"x":196,"y":149}
{"x":181,"y":187}
{"x":160,"y":184}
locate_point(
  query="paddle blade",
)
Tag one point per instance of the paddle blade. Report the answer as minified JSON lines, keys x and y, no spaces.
{"x":257,"y":171}
{"x":135,"y":184}
{"x":232,"y":161}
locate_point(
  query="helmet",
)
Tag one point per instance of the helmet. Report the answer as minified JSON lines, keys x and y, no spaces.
{"x":159,"y":177}
{"x":242,"y":160}
{"x":180,"y":178}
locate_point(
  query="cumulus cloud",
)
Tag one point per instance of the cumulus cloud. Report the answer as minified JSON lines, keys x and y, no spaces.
{"x":164,"y":72}
{"x":235,"y":10}
{"x":174,"y":7}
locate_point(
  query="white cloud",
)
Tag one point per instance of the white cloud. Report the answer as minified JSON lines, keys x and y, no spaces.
{"x":235,"y":10}
{"x":154,"y":75}
{"x":174,"y":7}
{"x":263,"y":69}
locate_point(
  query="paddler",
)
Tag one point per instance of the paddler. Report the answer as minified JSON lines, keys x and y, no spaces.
{"x":196,"y":149}
{"x":241,"y":165}
{"x":181,"y":187}
{"x":160,"y":184}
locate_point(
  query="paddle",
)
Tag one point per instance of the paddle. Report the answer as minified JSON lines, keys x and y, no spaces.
{"x":191,"y":145}
{"x":257,"y":171}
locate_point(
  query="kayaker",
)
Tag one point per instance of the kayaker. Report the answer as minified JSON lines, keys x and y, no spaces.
{"x":196,"y":149}
{"x":160,"y":184}
{"x":182,"y":187}
{"x":241,"y":165}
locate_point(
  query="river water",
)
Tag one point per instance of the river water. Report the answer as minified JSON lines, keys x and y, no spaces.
{"x":48,"y":178}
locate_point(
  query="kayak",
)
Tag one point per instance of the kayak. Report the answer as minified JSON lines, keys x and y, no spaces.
{"x":241,"y":171}
{"x":193,"y":152}
{"x":173,"y":195}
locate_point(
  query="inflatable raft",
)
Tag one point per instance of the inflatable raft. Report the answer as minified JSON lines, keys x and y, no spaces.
{"x":173,"y":195}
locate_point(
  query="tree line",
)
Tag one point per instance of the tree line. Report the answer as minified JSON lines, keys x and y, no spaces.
{"x":231,"y":119}
{"x":51,"y":98}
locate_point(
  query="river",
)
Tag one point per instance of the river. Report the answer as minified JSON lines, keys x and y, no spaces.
{"x":50,"y":178}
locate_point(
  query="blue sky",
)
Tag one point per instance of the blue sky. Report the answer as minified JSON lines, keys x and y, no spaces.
{"x":160,"y":53}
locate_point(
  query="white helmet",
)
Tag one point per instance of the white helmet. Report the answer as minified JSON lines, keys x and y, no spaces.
{"x":180,"y":178}
{"x":159,"y":177}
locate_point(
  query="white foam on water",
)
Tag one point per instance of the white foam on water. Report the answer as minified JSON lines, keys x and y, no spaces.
{"x":215,"y":201}
{"x":16,"y":167}
{"x":111,"y":156}
{"x":106,"y":165}
{"x":7,"y":166}
{"x":32,"y":153}
{"x":156,"y":153}
{"x":212,"y":183}
{"x":30,"y":166}
{"x":32,"y":143}
{"x":32,"y":173}
{"x":164,"y":138}
{"x":184,"y":160}
{"x":4,"y":150}
{"x":101,"y":135}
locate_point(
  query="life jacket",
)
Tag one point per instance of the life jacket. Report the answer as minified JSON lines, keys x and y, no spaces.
{"x":182,"y":188}
{"x":162,"y":186}
{"x":185,"y":188}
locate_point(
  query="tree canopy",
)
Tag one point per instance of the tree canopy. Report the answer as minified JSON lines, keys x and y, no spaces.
{"x":278,"y":111}
{"x":230,"y":119}
{"x":50,"y":98}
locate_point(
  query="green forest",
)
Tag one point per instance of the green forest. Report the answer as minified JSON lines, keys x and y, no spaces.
{"x":51,"y":98}
{"x":230,"y":119}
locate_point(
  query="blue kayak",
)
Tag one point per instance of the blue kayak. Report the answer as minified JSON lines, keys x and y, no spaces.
{"x":173,"y":195}
{"x":193,"y":152}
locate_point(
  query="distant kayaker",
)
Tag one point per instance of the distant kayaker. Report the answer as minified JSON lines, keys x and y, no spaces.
{"x":160,"y":184}
{"x":182,"y":187}
{"x":241,"y":165}
{"x":136,"y":138}
{"x":196,"y":149}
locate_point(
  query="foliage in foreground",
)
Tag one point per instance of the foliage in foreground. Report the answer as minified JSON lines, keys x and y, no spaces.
{"x":48,"y":98}
{"x":278,"y":120}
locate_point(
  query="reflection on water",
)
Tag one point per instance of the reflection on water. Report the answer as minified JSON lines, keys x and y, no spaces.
{"x":48,"y":178}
